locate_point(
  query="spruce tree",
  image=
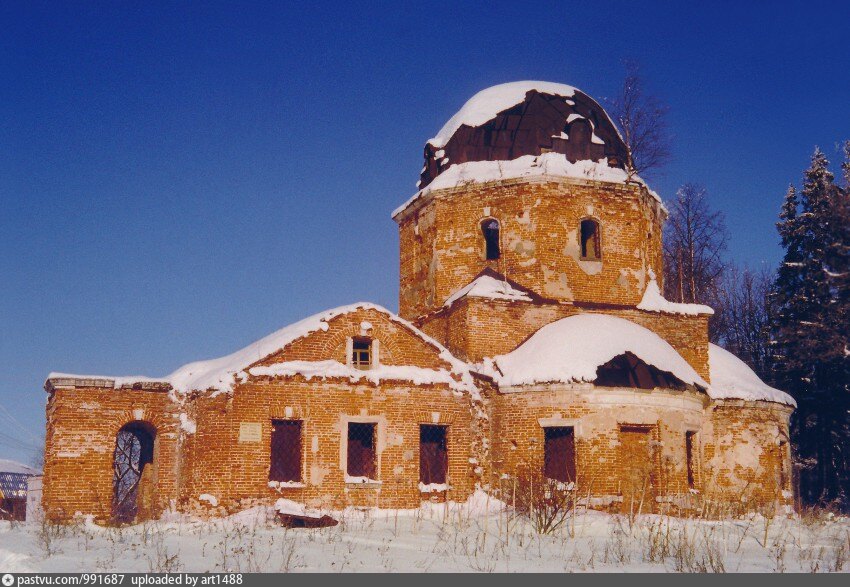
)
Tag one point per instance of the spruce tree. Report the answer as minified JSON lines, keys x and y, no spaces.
{"x":810,"y":337}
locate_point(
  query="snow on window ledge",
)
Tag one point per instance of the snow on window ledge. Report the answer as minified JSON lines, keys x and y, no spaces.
{"x":433,"y":487}
{"x":353,"y":480}
{"x":287,"y":484}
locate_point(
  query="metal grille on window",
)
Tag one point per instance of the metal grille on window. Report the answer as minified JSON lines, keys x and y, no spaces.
{"x":433,"y":454}
{"x":559,"y":454}
{"x":361,"y":353}
{"x":285,"y":451}
{"x":362,"y":453}
{"x":132,"y":459}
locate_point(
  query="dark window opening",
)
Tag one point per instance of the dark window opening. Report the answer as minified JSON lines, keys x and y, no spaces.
{"x":490,"y":230}
{"x":361,"y":353}
{"x":590,"y":246}
{"x":362,"y":456}
{"x":784,"y":478}
{"x":433,"y":454}
{"x":581,"y":134}
{"x":285,"y":451}
{"x":132,"y":479}
{"x":627,"y":370}
{"x":690,"y":438}
{"x":559,"y":453}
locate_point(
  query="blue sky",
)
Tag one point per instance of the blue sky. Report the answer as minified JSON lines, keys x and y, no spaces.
{"x":177,"y":180}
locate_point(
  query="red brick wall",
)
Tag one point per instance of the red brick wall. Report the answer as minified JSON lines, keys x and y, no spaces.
{"x":241,"y":470}
{"x":442,"y":249}
{"x":475,"y":328}
{"x":398,"y":346}
{"x":597,"y":416}
{"x":82,"y":425}
{"x":742,"y":451}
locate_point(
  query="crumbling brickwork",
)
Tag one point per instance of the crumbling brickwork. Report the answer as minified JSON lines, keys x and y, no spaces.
{"x":747,"y":452}
{"x":474,"y":328}
{"x":82,"y":425}
{"x":352,"y":430}
{"x":442,"y":249}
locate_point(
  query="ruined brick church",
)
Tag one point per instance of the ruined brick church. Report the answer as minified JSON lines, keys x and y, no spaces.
{"x":532,"y":339}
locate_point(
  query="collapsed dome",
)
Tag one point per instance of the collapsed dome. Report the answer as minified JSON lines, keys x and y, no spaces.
{"x":508,"y":121}
{"x":576,"y":348}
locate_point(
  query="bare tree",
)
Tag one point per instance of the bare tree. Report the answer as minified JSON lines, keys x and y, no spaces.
{"x":694,"y":242}
{"x":743,"y":315}
{"x":642,"y":119}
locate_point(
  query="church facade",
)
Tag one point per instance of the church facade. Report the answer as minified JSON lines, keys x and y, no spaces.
{"x":532,"y":342}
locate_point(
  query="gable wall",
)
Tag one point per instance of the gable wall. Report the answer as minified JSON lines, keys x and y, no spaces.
{"x":398,"y":345}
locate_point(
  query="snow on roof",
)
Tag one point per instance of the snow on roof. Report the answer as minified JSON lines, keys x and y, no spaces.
{"x":731,"y":378}
{"x":571,"y":350}
{"x":330,"y":369}
{"x":9,"y":466}
{"x":220,"y":374}
{"x":526,"y":166}
{"x":487,"y":104}
{"x":653,"y":301}
{"x":488,"y":286}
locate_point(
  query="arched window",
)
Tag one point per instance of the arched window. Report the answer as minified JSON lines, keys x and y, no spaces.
{"x":591,"y":249}
{"x":490,"y":230}
{"x":133,"y":480}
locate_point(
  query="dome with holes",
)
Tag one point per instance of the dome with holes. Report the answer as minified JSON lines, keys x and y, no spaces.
{"x":509,"y":121}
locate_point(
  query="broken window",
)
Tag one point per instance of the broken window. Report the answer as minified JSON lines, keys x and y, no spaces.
{"x":285,"y":451}
{"x":132,"y":479}
{"x":627,"y":370}
{"x":590,"y":247}
{"x":362,"y":455}
{"x":690,"y":447}
{"x":361,"y":353}
{"x":490,"y":230}
{"x":433,"y":454}
{"x":559,"y":453}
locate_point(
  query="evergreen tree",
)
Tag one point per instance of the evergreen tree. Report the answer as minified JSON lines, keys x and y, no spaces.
{"x":810,"y":338}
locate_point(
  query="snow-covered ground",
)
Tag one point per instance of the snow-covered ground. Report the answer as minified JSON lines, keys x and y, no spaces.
{"x":476,"y":537}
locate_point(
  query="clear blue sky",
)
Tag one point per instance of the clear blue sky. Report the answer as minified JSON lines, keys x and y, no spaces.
{"x":179,"y":180}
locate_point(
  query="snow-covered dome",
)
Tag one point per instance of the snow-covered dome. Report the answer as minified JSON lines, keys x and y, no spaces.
{"x":512,"y":120}
{"x":731,"y":378}
{"x":572,"y":349}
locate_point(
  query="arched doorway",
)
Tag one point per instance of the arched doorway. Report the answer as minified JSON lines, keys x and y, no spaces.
{"x":133,"y":478}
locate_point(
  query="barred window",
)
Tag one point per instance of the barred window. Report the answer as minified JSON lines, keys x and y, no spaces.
{"x":361,"y":353}
{"x":362,"y":455}
{"x":559,"y":453}
{"x":433,"y":454}
{"x":285,"y":451}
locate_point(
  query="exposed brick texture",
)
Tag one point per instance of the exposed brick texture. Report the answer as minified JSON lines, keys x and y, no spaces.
{"x":220,"y":443}
{"x":442,"y":248}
